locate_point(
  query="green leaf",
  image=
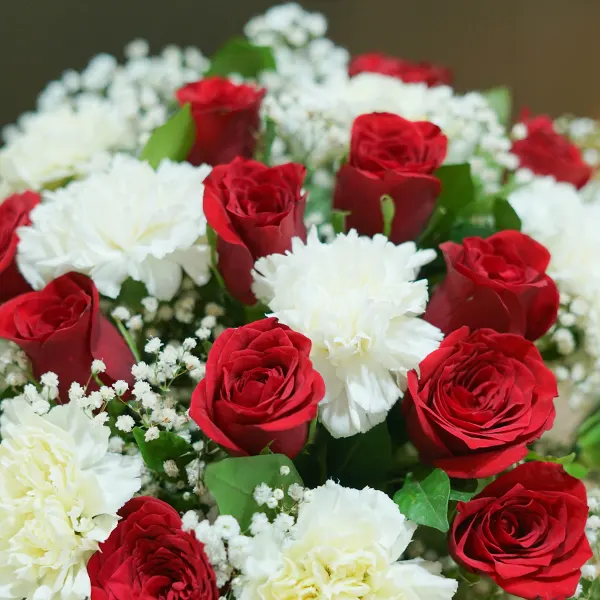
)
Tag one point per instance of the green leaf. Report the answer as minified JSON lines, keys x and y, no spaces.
{"x":240,"y":56}
{"x":388,"y":210}
{"x":457,"y":193}
{"x":168,"y":446}
{"x":591,"y":437}
{"x":131,"y":294}
{"x":463,"y":230}
{"x":426,"y":502}
{"x":505,"y":216}
{"x":500,"y":102}
{"x":576,"y":470}
{"x":562,"y":460}
{"x":362,"y":459}
{"x":338,"y":220}
{"x":173,"y":140}
{"x":232,"y":482}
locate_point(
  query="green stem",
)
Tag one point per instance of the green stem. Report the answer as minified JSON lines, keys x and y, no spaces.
{"x":130,"y":341}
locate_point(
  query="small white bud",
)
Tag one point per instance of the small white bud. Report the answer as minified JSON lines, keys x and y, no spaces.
{"x":101,"y":418}
{"x":284,"y":470}
{"x":98,"y":366}
{"x":150,"y":304}
{"x":209,"y":322}
{"x":278,"y":494}
{"x":121,"y":314}
{"x":120,"y":387}
{"x":125,"y":423}
{"x":135,"y":323}
{"x":272,"y":502}
{"x":153,"y":345}
{"x":107,"y":393}
{"x":189,"y":343}
{"x":171,"y":469}
{"x":50,"y":379}
{"x":152,"y":434}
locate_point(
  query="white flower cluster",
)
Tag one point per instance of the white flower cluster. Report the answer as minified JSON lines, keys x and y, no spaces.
{"x":358,"y":302}
{"x":54,"y":146}
{"x":60,"y":490}
{"x":343,"y":542}
{"x":83,"y":118}
{"x":141,"y":89}
{"x":557,"y":216}
{"x":125,"y":221}
{"x":14,"y":366}
{"x":314,"y":120}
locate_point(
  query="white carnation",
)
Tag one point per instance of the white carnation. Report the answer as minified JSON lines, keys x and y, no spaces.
{"x":345,"y":543}
{"x":358,"y":302}
{"x":60,"y":490}
{"x":55,"y":145}
{"x":126,"y":221}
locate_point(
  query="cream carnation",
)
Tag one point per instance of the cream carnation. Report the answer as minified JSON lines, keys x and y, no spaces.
{"x":52,"y":146}
{"x":345,"y":544}
{"x":60,"y":490}
{"x":358,"y":302}
{"x":126,"y":221}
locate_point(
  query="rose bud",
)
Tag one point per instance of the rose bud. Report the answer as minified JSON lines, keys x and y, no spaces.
{"x":390,"y":156}
{"x":256,"y":211}
{"x":62,"y":330}
{"x":498,"y":282}
{"x":227,"y":118}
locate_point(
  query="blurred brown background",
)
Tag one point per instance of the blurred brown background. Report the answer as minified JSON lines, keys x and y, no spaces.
{"x":546,"y":50}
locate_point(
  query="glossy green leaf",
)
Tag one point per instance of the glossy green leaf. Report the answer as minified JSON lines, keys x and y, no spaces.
{"x":173,"y":140}
{"x":505,"y":216}
{"x":232,"y":482}
{"x":240,"y":56}
{"x":360,"y":460}
{"x":426,"y":502}
{"x":168,"y":446}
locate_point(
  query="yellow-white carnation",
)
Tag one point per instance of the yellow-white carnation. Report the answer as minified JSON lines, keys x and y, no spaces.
{"x":60,"y":490}
{"x":345,"y":544}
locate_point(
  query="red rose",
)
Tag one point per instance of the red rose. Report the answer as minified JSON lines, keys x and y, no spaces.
{"x":526,"y":531}
{"x":498,"y":282}
{"x":406,"y":70}
{"x":62,"y":330}
{"x":479,"y":400}
{"x":149,"y":556}
{"x":546,"y":152}
{"x":14,"y":213}
{"x":226,"y":116}
{"x":260,"y":387}
{"x":256,"y":211}
{"x":390,"y":156}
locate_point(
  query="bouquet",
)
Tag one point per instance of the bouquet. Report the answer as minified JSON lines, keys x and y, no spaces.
{"x":284,"y":324}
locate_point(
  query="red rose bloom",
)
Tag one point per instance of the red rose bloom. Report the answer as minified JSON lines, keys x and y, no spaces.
{"x":226,"y":116}
{"x":526,"y":531}
{"x":61,"y":329}
{"x":479,"y":400}
{"x":498,"y":282}
{"x":390,"y":156}
{"x":546,"y":152}
{"x":149,"y":557}
{"x":260,"y":388}
{"x":14,"y":213}
{"x":255,"y":211}
{"x":406,"y":70}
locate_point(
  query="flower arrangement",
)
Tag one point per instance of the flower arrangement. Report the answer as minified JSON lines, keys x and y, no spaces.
{"x":285,"y":324}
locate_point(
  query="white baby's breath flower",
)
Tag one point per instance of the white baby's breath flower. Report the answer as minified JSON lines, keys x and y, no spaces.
{"x":153,"y":433}
{"x":125,"y":423}
{"x":358,"y":302}
{"x":120,"y":387}
{"x":60,"y":490}
{"x":344,"y":539}
{"x":125,"y":221}
{"x":52,"y":146}
{"x":98,"y":366}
